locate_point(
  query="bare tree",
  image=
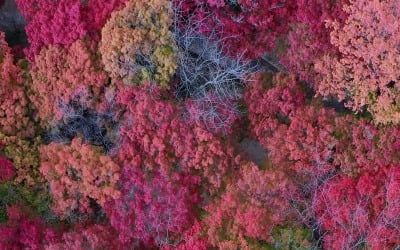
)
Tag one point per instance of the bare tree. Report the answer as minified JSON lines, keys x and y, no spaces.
{"x":206,"y":74}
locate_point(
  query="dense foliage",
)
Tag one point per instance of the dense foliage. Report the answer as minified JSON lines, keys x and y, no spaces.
{"x":201,"y":124}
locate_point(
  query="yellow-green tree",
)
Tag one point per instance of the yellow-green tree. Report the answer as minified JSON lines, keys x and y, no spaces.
{"x":136,"y":44}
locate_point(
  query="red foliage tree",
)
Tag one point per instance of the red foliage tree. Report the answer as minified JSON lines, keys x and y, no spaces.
{"x":23,"y":232}
{"x":309,"y":38}
{"x":361,"y":210}
{"x":63,"y":22}
{"x":277,"y":98}
{"x":154,"y":208}
{"x":250,"y":208}
{"x":7,"y":170}
{"x":158,"y":145}
{"x":156,"y":135}
{"x":14,"y":113}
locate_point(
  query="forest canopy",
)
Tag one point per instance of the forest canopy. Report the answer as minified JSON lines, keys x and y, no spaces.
{"x":199,"y":124}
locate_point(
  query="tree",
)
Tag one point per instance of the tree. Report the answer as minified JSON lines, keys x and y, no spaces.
{"x":60,"y":76}
{"x":155,"y":134}
{"x":7,"y":171}
{"x":14,"y":112}
{"x":249,"y":210}
{"x":63,"y":22}
{"x":246,"y":27}
{"x":22,"y":232}
{"x":155,"y":208}
{"x":362,"y":210}
{"x":364,"y":73}
{"x":309,"y":38}
{"x":78,"y":173}
{"x":137,"y":45}
{"x":25,"y":158}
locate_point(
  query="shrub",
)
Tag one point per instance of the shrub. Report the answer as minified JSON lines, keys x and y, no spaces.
{"x":87,"y":237}
{"x":22,"y":232}
{"x":95,"y":128}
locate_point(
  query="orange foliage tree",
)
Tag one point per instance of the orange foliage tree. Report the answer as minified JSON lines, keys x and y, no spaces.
{"x":366,"y":71}
{"x":77,"y":173}
{"x":248,"y":208}
{"x":14,"y":112}
{"x":62,"y":75}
